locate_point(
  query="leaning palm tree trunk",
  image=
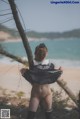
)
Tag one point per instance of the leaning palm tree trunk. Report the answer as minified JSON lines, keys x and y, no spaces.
{"x":68,"y":91}
{"x":21,"y":31}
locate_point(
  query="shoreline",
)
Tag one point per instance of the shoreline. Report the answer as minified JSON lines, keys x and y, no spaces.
{"x":19,"y":39}
{"x":57,"y":62}
{"x":11,"y":40}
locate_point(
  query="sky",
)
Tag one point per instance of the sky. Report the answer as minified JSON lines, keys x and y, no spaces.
{"x":42,"y":16}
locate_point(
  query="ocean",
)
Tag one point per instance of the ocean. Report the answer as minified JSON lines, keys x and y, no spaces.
{"x":62,"y":52}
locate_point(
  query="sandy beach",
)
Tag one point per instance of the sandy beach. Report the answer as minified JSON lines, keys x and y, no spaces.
{"x":11,"y":79}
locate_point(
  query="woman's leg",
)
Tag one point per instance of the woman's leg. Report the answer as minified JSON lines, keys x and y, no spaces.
{"x":48,"y":102}
{"x":33,"y":105}
{"x":48,"y":106}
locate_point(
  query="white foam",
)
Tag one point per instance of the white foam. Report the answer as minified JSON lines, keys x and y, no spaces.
{"x":66,"y":63}
{"x":57,"y":62}
{"x":7,"y":60}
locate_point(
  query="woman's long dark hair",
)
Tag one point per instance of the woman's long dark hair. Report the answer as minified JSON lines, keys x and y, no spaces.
{"x":40,"y":52}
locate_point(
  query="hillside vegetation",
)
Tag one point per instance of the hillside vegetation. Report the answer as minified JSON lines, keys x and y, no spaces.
{"x":12,"y":33}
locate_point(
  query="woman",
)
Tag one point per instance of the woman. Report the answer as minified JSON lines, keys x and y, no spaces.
{"x":40,"y":92}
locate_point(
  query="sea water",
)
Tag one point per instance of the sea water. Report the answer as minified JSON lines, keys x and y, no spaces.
{"x":62,"y":52}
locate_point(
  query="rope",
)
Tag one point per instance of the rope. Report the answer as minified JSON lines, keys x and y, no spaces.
{"x":9,"y":69}
{"x":6,"y":21}
{"x":4,"y":10}
{"x":20,"y":79}
{"x":2,"y":75}
{"x":4,"y":1}
{"x":22,"y":19}
{"x":5,"y":14}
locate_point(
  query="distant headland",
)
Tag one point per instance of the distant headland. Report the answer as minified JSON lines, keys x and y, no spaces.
{"x":9,"y":34}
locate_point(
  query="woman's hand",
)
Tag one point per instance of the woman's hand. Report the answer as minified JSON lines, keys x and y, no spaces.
{"x":60,"y":68}
{"x":23,"y":70}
